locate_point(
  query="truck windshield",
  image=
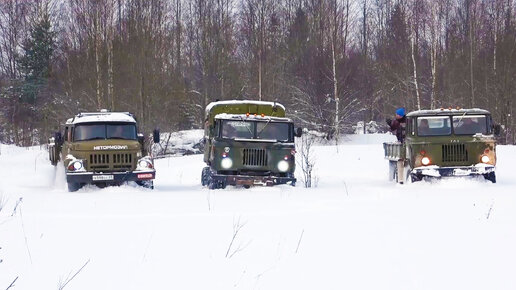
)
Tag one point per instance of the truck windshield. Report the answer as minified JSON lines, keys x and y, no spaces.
{"x":84,"y":132}
{"x":470,"y":124}
{"x":433,"y":126}
{"x":255,"y":130}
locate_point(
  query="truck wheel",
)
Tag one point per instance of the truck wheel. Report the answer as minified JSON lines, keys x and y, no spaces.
{"x":205,"y":176}
{"x":146,"y":184}
{"x":73,"y":186}
{"x":491,"y":176}
{"x":216,"y":184}
{"x":415,"y":177}
{"x":213,"y":184}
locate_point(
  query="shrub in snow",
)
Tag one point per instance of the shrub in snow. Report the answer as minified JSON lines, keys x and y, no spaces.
{"x":371,"y":128}
{"x":306,"y":158}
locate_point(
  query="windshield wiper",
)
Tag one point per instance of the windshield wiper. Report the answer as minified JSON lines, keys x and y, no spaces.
{"x":242,"y":120}
{"x":259,"y":133}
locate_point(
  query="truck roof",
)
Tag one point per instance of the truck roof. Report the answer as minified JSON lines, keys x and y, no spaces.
{"x":225,"y":116}
{"x":448,"y":112}
{"x":239,"y":107}
{"x":92,"y":117}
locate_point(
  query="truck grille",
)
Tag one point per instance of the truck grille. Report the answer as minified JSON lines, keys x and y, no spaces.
{"x":255,"y":157}
{"x":116,"y":162}
{"x":455,"y":153}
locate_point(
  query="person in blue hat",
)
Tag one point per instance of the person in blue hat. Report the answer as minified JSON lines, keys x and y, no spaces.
{"x":397,"y":126}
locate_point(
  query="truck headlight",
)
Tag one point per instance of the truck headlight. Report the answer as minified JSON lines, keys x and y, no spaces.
{"x":425,"y":161}
{"x":76,"y":166}
{"x":485,"y":159}
{"x":144,"y":164}
{"x":283,"y":166}
{"x":226,"y":163}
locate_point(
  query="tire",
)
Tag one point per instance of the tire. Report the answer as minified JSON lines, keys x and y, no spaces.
{"x":415,"y":177}
{"x":205,"y":176}
{"x":491,"y":176}
{"x":73,"y":186}
{"x":216,"y":184}
{"x":213,"y":185}
{"x":147,"y":184}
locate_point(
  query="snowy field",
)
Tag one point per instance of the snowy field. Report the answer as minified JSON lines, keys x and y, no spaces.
{"x":355,"y":230}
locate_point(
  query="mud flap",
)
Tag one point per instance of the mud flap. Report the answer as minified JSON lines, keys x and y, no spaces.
{"x":392,"y":170}
{"x":400,"y":164}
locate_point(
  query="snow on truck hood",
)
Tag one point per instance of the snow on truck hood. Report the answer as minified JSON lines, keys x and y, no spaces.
{"x":225,"y":116}
{"x":102,"y":117}
{"x":242,"y":102}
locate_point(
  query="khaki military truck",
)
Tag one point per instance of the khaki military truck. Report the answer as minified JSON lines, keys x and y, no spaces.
{"x":103,"y":148}
{"x":248,"y":143}
{"x":444,"y":142}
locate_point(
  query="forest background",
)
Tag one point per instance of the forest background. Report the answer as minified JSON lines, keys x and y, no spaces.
{"x":332,"y":63}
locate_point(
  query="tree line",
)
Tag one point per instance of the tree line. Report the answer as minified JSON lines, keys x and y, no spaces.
{"x":331,"y":62}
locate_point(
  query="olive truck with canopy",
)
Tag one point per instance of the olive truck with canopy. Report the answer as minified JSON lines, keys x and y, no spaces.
{"x":248,"y":143}
{"x":102,"y":148}
{"x":444,"y":142}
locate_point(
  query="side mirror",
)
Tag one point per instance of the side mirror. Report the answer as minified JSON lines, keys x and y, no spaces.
{"x":299,"y":132}
{"x":141,"y":138}
{"x":497,"y":129}
{"x":58,"y":138}
{"x":155,"y":136}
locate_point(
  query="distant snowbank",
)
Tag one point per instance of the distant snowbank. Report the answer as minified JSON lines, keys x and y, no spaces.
{"x":185,"y":142}
{"x":377,"y":138}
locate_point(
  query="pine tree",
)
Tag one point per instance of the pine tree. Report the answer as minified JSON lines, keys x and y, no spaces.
{"x":35,"y":63}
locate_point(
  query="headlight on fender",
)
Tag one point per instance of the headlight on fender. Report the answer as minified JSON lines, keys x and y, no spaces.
{"x":425,"y":161}
{"x":76,"y":165}
{"x":283,"y":166}
{"x":144,"y":164}
{"x":485,"y":159}
{"x":226,"y":163}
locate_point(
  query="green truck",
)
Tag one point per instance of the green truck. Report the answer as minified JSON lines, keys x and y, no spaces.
{"x":444,"y":142}
{"x":102,"y":148}
{"x":248,"y":143}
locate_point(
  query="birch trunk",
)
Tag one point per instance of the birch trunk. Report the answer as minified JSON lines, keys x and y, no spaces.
{"x":412,"y":42}
{"x":97,"y":60}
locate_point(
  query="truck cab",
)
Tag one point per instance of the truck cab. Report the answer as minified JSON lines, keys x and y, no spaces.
{"x":102,"y":148}
{"x":445,"y":142}
{"x":248,"y":143}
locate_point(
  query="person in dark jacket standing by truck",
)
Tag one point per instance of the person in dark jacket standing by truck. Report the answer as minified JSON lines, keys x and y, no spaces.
{"x":397,"y":125}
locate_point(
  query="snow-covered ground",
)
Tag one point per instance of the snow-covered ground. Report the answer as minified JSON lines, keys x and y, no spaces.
{"x":355,"y":230}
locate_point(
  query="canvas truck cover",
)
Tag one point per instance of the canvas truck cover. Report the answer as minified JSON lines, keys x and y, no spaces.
{"x":237,"y":107}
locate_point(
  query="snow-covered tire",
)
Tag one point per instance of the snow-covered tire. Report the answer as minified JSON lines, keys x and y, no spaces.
{"x":147,"y":184}
{"x":205,"y":176}
{"x":491,"y":176}
{"x":73,"y":186}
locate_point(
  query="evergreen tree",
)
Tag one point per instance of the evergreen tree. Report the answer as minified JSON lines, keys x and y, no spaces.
{"x":35,"y":63}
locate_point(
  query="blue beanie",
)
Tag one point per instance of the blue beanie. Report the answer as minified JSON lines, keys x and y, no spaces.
{"x":400,"y":111}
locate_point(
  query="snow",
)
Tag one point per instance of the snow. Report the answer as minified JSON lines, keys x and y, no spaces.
{"x":184,"y":142}
{"x":355,"y":230}
{"x":239,"y":102}
{"x":250,"y":117}
{"x":102,"y":117}
{"x":447,"y":112}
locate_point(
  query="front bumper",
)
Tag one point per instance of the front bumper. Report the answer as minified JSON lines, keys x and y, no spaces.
{"x":110,"y":177}
{"x":436,"y":171}
{"x":253,"y":180}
